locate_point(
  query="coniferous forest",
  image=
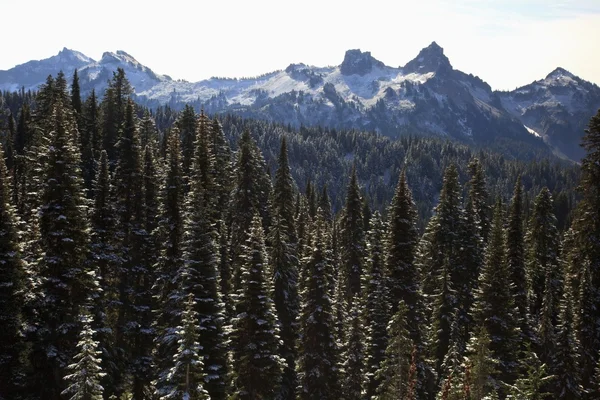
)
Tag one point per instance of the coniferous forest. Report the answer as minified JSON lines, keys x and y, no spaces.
{"x":161,"y":254}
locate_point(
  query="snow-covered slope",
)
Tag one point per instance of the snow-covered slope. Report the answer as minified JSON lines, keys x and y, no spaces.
{"x":426,"y":95}
{"x":557,"y":108}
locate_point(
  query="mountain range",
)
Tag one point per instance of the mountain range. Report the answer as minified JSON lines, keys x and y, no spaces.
{"x":425,"y":96}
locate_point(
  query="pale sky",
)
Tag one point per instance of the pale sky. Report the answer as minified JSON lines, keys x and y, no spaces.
{"x":507,"y":43}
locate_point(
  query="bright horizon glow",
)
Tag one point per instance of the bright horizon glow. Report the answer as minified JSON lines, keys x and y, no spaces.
{"x":507,"y":43}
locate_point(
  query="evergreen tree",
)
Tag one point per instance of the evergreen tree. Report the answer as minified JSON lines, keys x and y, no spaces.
{"x":352,"y":241}
{"x":91,"y":132}
{"x":325,"y":205}
{"x":534,"y":377}
{"x":546,"y":335}
{"x":187,"y":124}
{"x":170,"y":234}
{"x":249,"y":195}
{"x":376,"y":306}
{"x":394,"y":372}
{"x":481,"y":364}
{"x":148,"y":131}
{"x":515,"y":257}
{"x":586,"y":225}
{"x":222,"y":173}
{"x":257,"y":367}
{"x":114,"y":105}
{"x":542,"y":253}
{"x":12,"y":295}
{"x":66,"y":280}
{"x":199,"y":277}
{"x":104,"y":255}
{"x":566,"y":362}
{"x":76,"y":99}
{"x":444,"y":310}
{"x":479,"y":197}
{"x":285,"y":269}
{"x":494,"y":305}
{"x":586,"y":327}
{"x":401,"y":271}
{"x":134,"y":273}
{"x":452,"y":366}
{"x":318,"y":370}
{"x":186,"y":377}
{"x":86,"y":372}
{"x":354,"y":363}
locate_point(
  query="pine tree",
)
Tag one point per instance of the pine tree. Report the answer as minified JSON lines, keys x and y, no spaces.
{"x":222,"y":173}
{"x":481,"y":364}
{"x":148,"y":131}
{"x":376,"y":306}
{"x":66,"y":279}
{"x":257,"y":367}
{"x":494,"y":305}
{"x":91,"y":130}
{"x":352,"y":241}
{"x":534,"y":377}
{"x":444,"y":310}
{"x":546,"y":335}
{"x":566,"y":361}
{"x":187,"y":124}
{"x":76,"y":100}
{"x":86,"y":372}
{"x":395,"y":369}
{"x":185,"y":380}
{"x":401,"y":271}
{"x":199,"y":277}
{"x":114,"y":105}
{"x":325,"y":205}
{"x":479,"y":197}
{"x":586,"y":327}
{"x":170,"y":234}
{"x":542,"y":253}
{"x":354,"y":362}
{"x":12,"y":293}
{"x":318,"y":370}
{"x":452,"y":365}
{"x":134,"y":273}
{"x":515,"y":257}
{"x":250,"y":194}
{"x":285,"y":271}
{"x":104,"y":254}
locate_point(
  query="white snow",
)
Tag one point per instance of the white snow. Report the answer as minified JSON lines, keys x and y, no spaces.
{"x":534,"y":133}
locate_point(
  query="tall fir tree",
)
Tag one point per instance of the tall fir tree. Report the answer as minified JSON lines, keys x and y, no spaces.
{"x":199,"y":277}
{"x":542,"y":242}
{"x":86,"y":370}
{"x":66,"y":279}
{"x":12,"y":296}
{"x":354,"y":356}
{"x":257,"y":366}
{"x":478,"y":195}
{"x":481,"y":366}
{"x":352,"y":241}
{"x":515,"y":257}
{"x":131,"y":236}
{"x":186,"y":378}
{"x":187,"y":124}
{"x":170,"y":234}
{"x":114,"y":109}
{"x":376,"y":305}
{"x":494,"y":306}
{"x":318,"y":358}
{"x":105,"y":256}
{"x":284,"y":263}
{"x":566,"y":359}
{"x":586,"y":328}
{"x":394,"y":372}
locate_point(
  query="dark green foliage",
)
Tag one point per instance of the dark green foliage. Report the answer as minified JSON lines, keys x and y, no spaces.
{"x":352,"y":241}
{"x":12,"y":293}
{"x":478,"y":196}
{"x":66,"y":278}
{"x":353,"y":365}
{"x":542,"y":243}
{"x":376,"y":310}
{"x":394,"y":373}
{"x":515,"y":258}
{"x":85,"y":371}
{"x":186,"y":378}
{"x":257,"y":366}
{"x":318,"y":370}
{"x":114,"y":106}
{"x":170,"y":236}
{"x":284,"y":262}
{"x":494,"y":307}
{"x":199,"y":277}
{"x":187,"y":124}
{"x":401,"y":271}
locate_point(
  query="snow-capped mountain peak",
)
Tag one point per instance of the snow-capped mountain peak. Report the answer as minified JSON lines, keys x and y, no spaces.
{"x":357,"y":62}
{"x":559,"y":73}
{"x":429,"y":59}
